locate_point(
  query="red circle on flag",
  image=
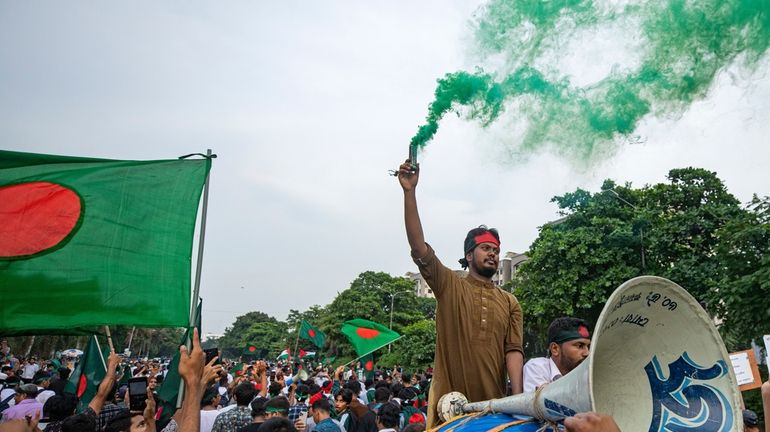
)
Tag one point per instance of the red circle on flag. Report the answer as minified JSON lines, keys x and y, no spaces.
{"x":583,"y":331}
{"x":252,"y":348}
{"x":369,"y":365}
{"x":367,"y":333}
{"x":35,"y":217}
{"x":311,"y":333}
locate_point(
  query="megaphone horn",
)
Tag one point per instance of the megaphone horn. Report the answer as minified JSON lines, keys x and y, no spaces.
{"x":657,"y":363}
{"x":301,"y":375}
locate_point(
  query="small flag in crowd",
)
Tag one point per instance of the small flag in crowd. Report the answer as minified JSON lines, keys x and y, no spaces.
{"x":367,"y":336}
{"x":106,"y":241}
{"x":87,"y":375}
{"x":250,"y":350}
{"x":306,"y":354}
{"x":313,"y":334}
{"x":367,"y":362}
{"x":284,"y":355}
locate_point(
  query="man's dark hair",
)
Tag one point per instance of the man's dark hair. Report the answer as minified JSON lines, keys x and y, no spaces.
{"x":64,"y":373}
{"x":381,"y":394}
{"x":314,"y":388}
{"x":345,"y":393}
{"x":120,"y":422}
{"x":277,"y":424}
{"x":389,"y":415}
{"x":322,"y":405}
{"x":470,"y":241}
{"x":279,"y":403}
{"x":6,"y":368}
{"x":354,"y":386}
{"x":407,"y":395}
{"x":406,"y":378}
{"x":274,"y":389}
{"x":209,"y":396}
{"x":244,"y":393}
{"x":258,"y":407}
{"x":60,"y":407}
{"x":564,"y":323}
{"x":395,"y":388}
{"x":78,"y":423}
{"x":302,"y":392}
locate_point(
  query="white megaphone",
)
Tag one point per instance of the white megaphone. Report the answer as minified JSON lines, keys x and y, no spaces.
{"x":300,"y":376}
{"x":657,"y":363}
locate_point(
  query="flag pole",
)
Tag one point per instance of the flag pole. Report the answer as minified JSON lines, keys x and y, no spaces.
{"x":109,"y":338}
{"x":201,"y":241}
{"x":296,"y":343}
{"x":199,"y":263}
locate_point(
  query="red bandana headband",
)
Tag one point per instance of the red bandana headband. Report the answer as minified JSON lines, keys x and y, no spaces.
{"x":487,"y":237}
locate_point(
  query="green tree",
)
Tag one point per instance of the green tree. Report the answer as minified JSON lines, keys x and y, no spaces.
{"x":256,"y":328}
{"x":669,"y":229}
{"x":743,"y":297}
{"x":416,"y":349}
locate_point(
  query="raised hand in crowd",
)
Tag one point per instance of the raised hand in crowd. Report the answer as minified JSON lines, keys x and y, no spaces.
{"x":191,"y":365}
{"x":149,"y":412}
{"x":107,"y":383}
{"x":211,"y":372}
{"x":590,"y":422}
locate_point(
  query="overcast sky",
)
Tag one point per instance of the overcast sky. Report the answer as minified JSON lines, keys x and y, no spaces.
{"x":307,"y":105}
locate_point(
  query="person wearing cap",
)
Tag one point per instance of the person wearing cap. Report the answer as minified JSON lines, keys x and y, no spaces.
{"x":569,"y":342}
{"x":26,"y":404}
{"x":42,"y":380}
{"x":750,"y":421}
{"x":479,"y":326}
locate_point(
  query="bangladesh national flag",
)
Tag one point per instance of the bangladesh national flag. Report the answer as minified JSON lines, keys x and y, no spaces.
{"x":367,"y":362}
{"x":109,"y":242}
{"x":250,"y":350}
{"x":313,"y":334}
{"x":90,"y":371}
{"x":367,"y":336}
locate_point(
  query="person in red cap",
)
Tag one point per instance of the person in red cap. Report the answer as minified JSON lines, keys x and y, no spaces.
{"x":569,"y":343}
{"x":478,"y":326}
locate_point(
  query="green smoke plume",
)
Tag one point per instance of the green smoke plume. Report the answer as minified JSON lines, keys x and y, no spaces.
{"x":682,"y":46}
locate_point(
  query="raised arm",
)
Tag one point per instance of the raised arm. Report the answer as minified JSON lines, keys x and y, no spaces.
{"x":191,"y":369}
{"x":414,"y":234}
{"x":106,"y":385}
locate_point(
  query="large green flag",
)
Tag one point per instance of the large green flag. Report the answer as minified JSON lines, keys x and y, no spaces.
{"x":90,"y":371}
{"x":100,"y":242}
{"x":367,"y":336}
{"x":313,"y":334}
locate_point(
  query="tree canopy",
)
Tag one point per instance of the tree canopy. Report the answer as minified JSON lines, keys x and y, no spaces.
{"x":690,"y":230}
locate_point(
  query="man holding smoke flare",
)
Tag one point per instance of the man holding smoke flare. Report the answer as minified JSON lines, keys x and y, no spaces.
{"x":478,"y":326}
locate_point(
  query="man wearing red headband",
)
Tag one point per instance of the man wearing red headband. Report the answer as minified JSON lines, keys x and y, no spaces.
{"x":478,"y":325}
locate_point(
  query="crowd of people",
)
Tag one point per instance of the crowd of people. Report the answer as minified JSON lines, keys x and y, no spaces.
{"x":219,"y":396}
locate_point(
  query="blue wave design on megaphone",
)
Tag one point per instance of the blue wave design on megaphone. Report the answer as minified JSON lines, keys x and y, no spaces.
{"x":684,"y":401}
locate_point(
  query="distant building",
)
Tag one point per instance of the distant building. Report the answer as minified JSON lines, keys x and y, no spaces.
{"x":507,"y":269}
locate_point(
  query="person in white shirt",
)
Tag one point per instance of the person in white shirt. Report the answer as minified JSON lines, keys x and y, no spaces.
{"x":30,"y":369}
{"x":42,"y":380}
{"x":569,"y":343}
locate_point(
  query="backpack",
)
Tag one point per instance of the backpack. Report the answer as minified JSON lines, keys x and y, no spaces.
{"x":4,"y":405}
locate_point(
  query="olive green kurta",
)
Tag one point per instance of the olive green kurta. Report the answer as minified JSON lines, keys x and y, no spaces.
{"x":477,"y":323}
